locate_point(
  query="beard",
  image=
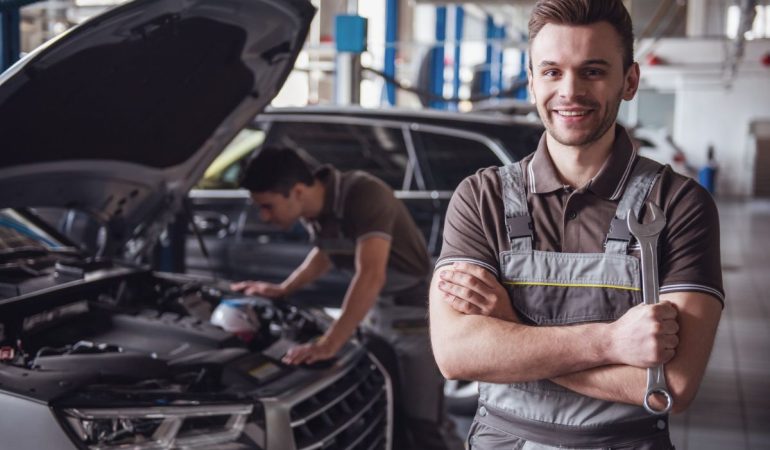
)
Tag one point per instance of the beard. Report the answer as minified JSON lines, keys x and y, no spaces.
{"x":568,"y":137}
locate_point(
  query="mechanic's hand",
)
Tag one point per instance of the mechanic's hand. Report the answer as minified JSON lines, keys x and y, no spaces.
{"x":309,"y":353}
{"x":269,"y":290}
{"x":645,"y":336}
{"x":471,"y":289}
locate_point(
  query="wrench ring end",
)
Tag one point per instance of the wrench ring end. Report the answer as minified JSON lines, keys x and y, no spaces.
{"x":665,"y":393}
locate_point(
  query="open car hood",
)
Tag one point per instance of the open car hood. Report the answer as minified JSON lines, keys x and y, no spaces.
{"x":120,"y":116}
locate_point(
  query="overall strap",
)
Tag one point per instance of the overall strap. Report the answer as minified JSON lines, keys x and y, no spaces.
{"x":638,"y":188}
{"x":517,"y":220}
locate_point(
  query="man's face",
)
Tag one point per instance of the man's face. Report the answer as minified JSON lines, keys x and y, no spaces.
{"x":278,"y":209}
{"x":578,"y":81}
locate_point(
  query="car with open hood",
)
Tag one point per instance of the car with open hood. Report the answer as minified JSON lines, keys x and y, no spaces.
{"x":99,"y":351}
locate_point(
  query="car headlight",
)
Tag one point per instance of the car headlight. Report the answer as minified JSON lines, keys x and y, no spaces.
{"x":161,"y":427}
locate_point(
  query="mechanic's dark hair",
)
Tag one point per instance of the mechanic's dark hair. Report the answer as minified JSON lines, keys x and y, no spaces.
{"x":276,"y":169}
{"x":585,"y":12}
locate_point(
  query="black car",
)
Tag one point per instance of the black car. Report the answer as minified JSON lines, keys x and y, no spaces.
{"x":422,"y":155}
{"x":98,"y":351}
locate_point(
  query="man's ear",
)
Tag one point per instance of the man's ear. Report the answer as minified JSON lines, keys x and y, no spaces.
{"x":298,"y":190}
{"x":631,"y":82}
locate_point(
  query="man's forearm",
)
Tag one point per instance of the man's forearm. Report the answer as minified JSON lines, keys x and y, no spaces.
{"x":359,"y":299}
{"x":483,"y":348}
{"x":316,"y":264}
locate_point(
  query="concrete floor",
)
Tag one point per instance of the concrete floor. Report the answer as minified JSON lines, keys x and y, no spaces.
{"x":732,"y":410}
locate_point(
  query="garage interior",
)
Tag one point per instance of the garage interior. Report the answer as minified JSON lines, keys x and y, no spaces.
{"x":703,"y":106}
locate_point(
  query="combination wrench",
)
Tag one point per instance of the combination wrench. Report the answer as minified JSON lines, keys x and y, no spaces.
{"x":647,"y":234}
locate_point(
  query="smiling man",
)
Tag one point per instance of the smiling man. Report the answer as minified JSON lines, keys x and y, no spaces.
{"x":537,"y":292}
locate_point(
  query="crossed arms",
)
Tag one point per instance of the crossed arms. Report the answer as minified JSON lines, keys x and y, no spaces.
{"x":476,"y":335}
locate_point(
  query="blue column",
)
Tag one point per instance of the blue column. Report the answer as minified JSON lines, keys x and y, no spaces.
{"x":500,"y":34}
{"x":391,"y":36}
{"x":437,"y":66}
{"x":521,"y":93}
{"x":459,"y":22}
{"x":486,"y":74}
{"x":10,"y":37}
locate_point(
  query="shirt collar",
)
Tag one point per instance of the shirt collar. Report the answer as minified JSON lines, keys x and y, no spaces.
{"x":330,"y":177}
{"x":608,"y":183}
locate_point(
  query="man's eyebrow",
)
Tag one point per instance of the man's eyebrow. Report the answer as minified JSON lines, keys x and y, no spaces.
{"x":588,"y":62}
{"x":546,"y":63}
{"x":595,"y":62}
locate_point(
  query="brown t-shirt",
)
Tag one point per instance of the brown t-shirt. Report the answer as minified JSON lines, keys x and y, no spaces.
{"x":577,"y":220}
{"x":369,"y":209}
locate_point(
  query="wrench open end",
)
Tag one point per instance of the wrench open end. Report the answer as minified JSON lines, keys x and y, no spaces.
{"x":648,"y":229}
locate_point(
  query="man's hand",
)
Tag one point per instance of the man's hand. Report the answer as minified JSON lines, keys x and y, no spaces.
{"x":269,"y":290}
{"x":645,"y":336}
{"x":471,"y":289}
{"x":311,"y":352}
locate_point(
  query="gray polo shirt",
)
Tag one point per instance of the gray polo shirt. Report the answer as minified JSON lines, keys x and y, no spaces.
{"x":577,"y":220}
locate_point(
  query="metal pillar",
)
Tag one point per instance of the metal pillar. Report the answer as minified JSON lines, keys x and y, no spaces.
{"x":391,"y":36}
{"x":437,"y":63}
{"x":486,"y":74}
{"x":458,"y":38}
{"x":347,"y":80}
{"x":500,"y":46}
{"x":10,"y":37}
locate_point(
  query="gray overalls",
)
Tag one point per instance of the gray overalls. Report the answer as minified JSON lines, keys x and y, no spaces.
{"x":400,"y":318}
{"x":554,"y":288}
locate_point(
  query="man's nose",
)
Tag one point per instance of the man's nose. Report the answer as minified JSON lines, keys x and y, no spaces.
{"x":264,"y":216}
{"x":571,"y":86}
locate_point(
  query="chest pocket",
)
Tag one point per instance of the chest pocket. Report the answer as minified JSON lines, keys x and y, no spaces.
{"x":553,"y":288}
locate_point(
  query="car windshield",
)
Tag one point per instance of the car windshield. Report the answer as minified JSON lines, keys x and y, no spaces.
{"x":17,"y":233}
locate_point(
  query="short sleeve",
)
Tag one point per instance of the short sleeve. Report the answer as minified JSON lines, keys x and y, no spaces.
{"x":370,"y":209}
{"x":466,"y":239}
{"x":691,"y":258}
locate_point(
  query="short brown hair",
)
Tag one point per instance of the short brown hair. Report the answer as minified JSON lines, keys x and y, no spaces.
{"x":586,"y":12}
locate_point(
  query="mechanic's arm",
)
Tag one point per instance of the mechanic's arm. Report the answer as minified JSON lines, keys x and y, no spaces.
{"x":316,"y":264}
{"x":484,"y":348}
{"x":371,"y":265}
{"x":698,"y":318}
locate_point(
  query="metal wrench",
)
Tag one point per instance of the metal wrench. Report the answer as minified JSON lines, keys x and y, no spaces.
{"x":647,"y":235}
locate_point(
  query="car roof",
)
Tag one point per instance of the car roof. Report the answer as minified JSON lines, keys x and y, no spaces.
{"x":519,"y":135}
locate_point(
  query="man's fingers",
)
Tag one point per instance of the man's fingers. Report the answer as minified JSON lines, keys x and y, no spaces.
{"x":665,"y":310}
{"x":669,"y":327}
{"x":463,"y":306}
{"x":481,"y":274}
{"x":670,"y":341}
{"x":465,"y":281}
{"x":463,"y":294}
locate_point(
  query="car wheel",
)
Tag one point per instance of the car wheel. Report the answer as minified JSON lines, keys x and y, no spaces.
{"x":461,"y":397}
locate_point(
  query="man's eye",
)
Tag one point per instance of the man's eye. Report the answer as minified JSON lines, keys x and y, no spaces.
{"x":551,"y":73}
{"x":593,"y":72}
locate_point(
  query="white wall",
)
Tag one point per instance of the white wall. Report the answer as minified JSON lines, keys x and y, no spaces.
{"x":711,"y":108}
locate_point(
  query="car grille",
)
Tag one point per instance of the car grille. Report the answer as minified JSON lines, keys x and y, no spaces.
{"x":351,"y":413}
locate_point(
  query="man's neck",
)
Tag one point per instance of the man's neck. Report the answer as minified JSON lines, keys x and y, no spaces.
{"x":314,"y":202}
{"x":577,"y":165}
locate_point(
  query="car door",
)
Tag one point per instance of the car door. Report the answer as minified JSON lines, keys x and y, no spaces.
{"x":447,"y":156}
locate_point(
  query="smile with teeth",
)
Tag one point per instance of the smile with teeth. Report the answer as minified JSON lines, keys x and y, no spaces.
{"x":572,"y":113}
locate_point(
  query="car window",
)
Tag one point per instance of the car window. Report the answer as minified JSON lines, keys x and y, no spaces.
{"x":225,"y":171}
{"x":379,"y":150}
{"x":447,"y":160}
